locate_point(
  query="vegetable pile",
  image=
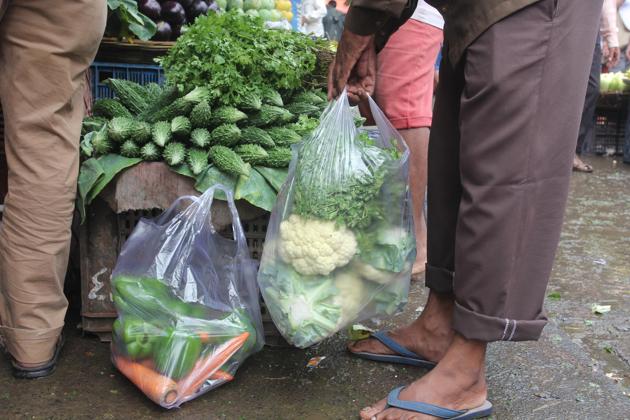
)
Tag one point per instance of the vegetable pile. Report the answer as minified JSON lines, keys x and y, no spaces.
{"x":174,"y":350}
{"x":236,"y":56}
{"x":614,"y":82}
{"x":340,"y":244}
{"x":232,"y":108}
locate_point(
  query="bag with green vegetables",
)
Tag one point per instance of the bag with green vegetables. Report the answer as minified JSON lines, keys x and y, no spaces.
{"x":187,"y":302}
{"x":340,"y":242}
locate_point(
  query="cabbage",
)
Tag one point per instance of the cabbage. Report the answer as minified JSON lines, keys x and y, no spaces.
{"x":265,"y":14}
{"x":251,"y":5}
{"x":234,"y":4}
{"x":267,"y":4}
{"x":302,"y":307}
{"x":276,"y":15}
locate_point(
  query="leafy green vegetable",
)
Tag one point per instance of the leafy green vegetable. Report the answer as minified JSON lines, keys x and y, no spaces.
{"x":236,"y":56}
{"x":132,"y":21}
{"x":254,"y":189}
{"x":213,"y":176}
{"x":274,"y":176}
{"x":302,"y":307}
{"x":305,"y":125}
{"x":349,"y":197}
{"x":95,"y":174}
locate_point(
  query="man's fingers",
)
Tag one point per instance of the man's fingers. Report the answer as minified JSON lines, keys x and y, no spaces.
{"x":331,"y":88}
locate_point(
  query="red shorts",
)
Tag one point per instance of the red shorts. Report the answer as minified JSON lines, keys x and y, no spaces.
{"x":405,"y":72}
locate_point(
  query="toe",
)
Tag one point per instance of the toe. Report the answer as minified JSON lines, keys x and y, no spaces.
{"x":368,"y":413}
{"x":369,"y":345}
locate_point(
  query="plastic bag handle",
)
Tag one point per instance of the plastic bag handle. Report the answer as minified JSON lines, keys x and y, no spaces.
{"x":168,"y":213}
{"x":237,"y":230}
{"x":384,"y":125}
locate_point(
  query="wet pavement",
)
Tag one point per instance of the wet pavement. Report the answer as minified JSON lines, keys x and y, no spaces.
{"x":580,"y":369}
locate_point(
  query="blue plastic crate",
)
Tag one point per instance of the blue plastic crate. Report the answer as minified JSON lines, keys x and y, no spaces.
{"x":140,"y":73}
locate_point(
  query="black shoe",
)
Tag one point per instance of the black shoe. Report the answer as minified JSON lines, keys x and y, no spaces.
{"x":21,"y":372}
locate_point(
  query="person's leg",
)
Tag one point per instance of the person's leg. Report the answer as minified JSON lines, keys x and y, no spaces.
{"x":417,"y":140}
{"x":525,"y":80}
{"x":45,"y":49}
{"x":431,"y":334}
{"x":587,"y":122}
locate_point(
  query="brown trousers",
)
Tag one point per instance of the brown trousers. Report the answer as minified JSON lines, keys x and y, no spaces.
{"x":500,"y":155}
{"x":45,"y":49}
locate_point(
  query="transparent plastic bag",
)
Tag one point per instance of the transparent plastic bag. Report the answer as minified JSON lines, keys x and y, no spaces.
{"x":340,"y":244}
{"x":187,"y":301}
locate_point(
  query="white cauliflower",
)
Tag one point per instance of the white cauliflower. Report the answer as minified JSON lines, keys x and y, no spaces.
{"x":315,"y":247}
{"x":351,"y":296}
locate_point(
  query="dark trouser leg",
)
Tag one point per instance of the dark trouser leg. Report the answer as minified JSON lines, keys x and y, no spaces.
{"x":444,"y":185}
{"x":587,"y":124}
{"x":524,"y":83}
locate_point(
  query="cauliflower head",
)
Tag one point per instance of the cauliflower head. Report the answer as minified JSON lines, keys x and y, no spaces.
{"x":315,"y":247}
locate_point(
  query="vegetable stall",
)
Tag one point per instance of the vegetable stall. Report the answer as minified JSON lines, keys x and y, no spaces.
{"x":236,"y":96}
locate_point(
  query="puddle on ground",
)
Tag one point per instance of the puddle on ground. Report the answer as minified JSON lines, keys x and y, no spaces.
{"x":593,"y":264}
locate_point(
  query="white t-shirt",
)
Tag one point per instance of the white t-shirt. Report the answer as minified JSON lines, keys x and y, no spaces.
{"x":428,"y":14}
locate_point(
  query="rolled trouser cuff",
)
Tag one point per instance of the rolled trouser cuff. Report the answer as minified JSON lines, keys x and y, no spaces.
{"x":476,"y":326}
{"x":439,"y":280}
{"x":30,"y":346}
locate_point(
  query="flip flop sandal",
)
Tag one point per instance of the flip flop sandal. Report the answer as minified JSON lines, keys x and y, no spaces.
{"x":47,"y":369}
{"x":403,"y":356}
{"x":393,"y":400}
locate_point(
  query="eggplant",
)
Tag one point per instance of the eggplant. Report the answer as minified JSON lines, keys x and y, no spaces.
{"x":212,"y":6}
{"x":151,"y":8}
{"x":177,"y":31}
{"x":198,"y":8}
{"x":186,"y":3}
{"x":163,"y":32}
{"x":173,"y":12}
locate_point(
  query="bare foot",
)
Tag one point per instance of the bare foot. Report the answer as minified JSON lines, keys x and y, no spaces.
{"x":428,"y":336}
{"x":580,"y":166}
{"x":458,"y":382}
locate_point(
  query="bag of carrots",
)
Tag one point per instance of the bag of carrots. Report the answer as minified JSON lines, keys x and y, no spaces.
{"x":187,"y":301}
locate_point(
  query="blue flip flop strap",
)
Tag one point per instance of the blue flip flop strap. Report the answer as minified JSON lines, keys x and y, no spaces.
{"x":394,"y":346}
{"x":419,"y":407}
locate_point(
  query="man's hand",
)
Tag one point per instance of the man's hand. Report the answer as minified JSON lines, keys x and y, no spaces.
{"x":613,"y":56}
{"x":354,"y":66}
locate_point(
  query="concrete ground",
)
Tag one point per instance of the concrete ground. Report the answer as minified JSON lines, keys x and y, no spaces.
{"x":580,"y":369}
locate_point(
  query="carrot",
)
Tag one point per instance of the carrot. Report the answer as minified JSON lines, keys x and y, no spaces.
{"x":221,"y":375}
{"x":159,"y":388}
{"x":204,"y":337}
{"x":209,"y":365}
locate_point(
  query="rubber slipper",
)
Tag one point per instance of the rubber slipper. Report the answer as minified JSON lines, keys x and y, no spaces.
{"x":47,"y":369}
{"x":393,"y":400}
{"x":403,"y":356}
